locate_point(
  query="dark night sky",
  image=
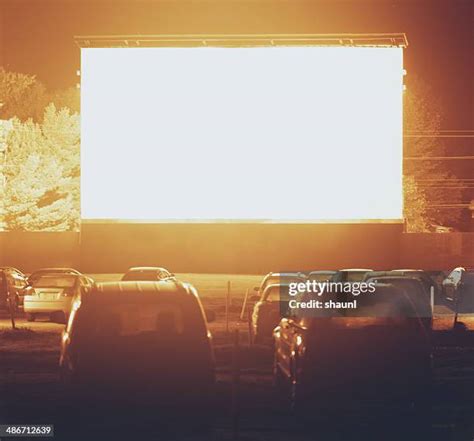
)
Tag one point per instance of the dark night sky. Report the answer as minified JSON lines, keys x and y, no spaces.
{"x":36,"y":36}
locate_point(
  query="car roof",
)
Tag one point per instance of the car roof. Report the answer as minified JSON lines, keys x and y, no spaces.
{"x":408,"y":270}
{"x":146,"y":268}
{"x":57,"y":270}
{"x":124,"y":288}
{"x":55,"y":275}
{"x":355,"y":270}
{"x":287,"y":274}
{"x":10,"y":268}
{"x":398,"y":273}
{"x":275,"y":285}
{"x":323,"y":272}
{"x":384,"y":277}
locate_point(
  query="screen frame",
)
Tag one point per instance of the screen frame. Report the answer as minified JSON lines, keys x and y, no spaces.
{"x":374,"y":40}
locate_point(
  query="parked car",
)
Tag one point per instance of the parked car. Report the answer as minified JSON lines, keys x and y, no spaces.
{"x":429,"y":278}
{"x":321,"y":275}
{"x":458,"y":288}
{"x":421,"y":275}
{"x":53,"y":295}
{"x":13,"y":281}
{"x":350,"y":275}
{"x":267,"y":312}
{"x":415,"y":290}
{"x":381,"y":351}
{"x":45,"y":271}
{"x":276,"y":278}
{"x":147,"y":273}
{"x":139,"y":340}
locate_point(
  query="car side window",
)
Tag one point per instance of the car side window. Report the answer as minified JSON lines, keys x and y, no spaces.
{"x":17,"y":282}
{"x":84,"y":285}
{"x":163,"y":275}
{"x":22,"y":282}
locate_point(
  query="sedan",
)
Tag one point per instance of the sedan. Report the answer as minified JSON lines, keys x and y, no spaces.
{"x":53,"y":295}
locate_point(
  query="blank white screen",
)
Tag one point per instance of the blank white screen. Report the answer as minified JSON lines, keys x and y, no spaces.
{"x":274,"y":133}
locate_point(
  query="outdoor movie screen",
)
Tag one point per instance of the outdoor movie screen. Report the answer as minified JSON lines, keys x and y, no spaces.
{"x":295,"y":133}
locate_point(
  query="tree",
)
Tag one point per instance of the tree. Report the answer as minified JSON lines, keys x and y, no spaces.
{"x":42,"y":173}
{"x":422,"y":112}
{"x":416,"y":207}
{"x":22,"y":95}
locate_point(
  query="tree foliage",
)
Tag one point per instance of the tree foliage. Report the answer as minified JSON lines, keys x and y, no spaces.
{"x":422,"y":112}
{"x":416,"y":207}
{"x":42,"y":170}
{"x":22,"y":96}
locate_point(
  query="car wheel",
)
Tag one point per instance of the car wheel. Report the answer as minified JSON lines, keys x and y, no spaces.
{"x":30,"y":317}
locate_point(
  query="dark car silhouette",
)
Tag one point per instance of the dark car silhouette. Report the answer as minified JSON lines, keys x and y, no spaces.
{"x":428,"y":280}
{"x":382,"y":351}
{"x":144,"y":342}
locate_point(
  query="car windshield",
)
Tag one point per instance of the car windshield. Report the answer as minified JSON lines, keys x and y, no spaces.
{"x":277,"y":293}
{"x":166,"y":318}
{"x":58,"y":281}
{"x":143,"y":275}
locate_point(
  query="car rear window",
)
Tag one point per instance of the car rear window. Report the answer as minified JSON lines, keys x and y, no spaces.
{"x":320,"y":277}
{"x":60,"y":281}
{"x":355,"y":276}
{"x":164,"y":318}
{"x":135,"y":319}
